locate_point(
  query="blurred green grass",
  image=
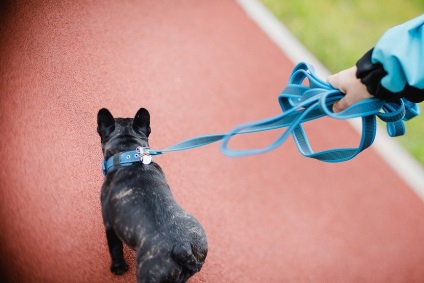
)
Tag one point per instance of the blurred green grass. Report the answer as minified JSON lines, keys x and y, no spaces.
{"x":339,"y":32}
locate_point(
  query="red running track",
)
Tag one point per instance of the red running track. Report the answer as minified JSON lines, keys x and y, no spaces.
{"x":199,"y":67}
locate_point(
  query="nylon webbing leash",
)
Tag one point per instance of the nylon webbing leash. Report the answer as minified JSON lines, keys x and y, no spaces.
{"x":302,"y":103}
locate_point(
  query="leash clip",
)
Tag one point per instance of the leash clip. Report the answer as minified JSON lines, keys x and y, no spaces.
{"x":145,"y":157}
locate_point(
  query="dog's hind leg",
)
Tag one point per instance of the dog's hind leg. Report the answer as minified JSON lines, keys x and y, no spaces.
{"x":118,"y":266}
{"x":156,"y":265}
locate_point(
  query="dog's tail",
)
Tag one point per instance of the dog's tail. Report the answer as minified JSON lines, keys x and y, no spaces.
{"x":183,"y":255}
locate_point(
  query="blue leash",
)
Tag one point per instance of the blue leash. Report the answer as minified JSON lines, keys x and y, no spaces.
{"x":303,"y":103}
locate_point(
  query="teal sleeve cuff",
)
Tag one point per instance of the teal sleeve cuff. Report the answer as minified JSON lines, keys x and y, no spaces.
{"x":371,"y":75}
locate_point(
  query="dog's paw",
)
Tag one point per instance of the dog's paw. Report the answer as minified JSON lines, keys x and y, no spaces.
{"x":119,"y":268}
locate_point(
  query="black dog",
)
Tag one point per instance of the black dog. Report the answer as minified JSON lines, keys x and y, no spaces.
{"x":138,"y":208}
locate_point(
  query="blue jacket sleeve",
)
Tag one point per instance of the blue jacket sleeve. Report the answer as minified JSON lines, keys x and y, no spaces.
{"x":394,"y":68}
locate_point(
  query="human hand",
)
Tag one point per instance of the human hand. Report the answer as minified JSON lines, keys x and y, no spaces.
{"x":354,"y":90}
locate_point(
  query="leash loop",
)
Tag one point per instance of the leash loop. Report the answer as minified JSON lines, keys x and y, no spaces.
{"x":305,"y":98}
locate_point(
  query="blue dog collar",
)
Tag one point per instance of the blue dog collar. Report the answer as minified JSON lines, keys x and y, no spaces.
{"x":127,"y":158}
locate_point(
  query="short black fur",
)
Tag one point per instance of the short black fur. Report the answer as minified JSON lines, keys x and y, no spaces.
{"x":138,"y":209}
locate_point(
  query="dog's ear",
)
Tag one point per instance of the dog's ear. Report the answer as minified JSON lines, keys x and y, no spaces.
{"x":141,"y":122}
{"x":105,"y":123}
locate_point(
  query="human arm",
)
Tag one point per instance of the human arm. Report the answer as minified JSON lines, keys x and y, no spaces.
{"x":393,"y":69}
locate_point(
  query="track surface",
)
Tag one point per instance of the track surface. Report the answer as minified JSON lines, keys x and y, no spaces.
{"x":199,"y":67}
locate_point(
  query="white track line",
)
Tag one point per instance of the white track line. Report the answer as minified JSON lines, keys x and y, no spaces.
{"x":400,"y":160}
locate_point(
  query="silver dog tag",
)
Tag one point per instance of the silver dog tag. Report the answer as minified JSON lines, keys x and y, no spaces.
{"x":147,"y":159}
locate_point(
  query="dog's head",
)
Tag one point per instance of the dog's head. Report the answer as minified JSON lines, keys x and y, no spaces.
{"x":122,"y":134}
